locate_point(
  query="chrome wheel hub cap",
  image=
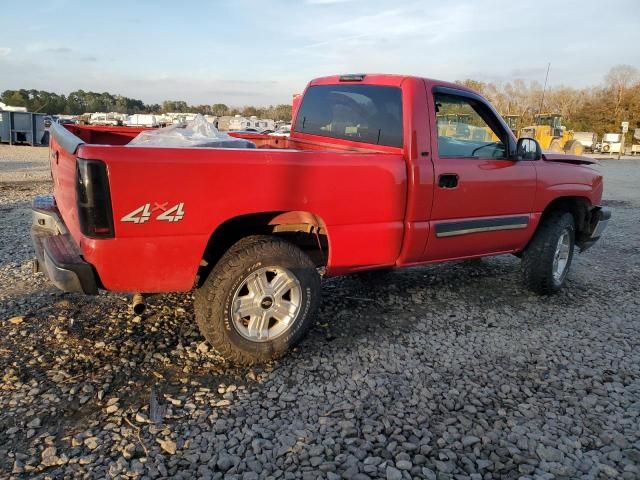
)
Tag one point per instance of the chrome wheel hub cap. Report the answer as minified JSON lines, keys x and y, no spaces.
{"x":266,"y":304}
{"x":561,"y":256}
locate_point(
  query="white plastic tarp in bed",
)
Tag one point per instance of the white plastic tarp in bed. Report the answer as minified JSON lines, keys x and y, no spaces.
{"x":196,"y":133}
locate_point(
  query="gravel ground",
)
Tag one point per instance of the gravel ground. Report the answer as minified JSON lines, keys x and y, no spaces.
{"x":449,"y":371}
{"x":19,"y":163}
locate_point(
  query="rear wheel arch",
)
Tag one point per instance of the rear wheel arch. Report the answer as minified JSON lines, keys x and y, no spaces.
{"x":306,"y":230}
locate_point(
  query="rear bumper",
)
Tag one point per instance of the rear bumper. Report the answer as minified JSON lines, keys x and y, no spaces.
{"x":57,"y":254}
{"x":599,"y":221}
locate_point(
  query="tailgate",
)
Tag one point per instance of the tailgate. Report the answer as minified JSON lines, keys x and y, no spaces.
{"x":63,"y":146}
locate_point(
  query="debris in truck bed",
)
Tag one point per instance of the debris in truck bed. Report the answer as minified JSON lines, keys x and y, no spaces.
{"x":196,"y":133}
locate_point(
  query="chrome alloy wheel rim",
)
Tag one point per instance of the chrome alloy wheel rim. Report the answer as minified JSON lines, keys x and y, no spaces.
{"x":266,"y":304}
{"x":561,"y":256}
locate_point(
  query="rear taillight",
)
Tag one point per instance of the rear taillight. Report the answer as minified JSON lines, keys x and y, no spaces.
{"x":94,"y":201}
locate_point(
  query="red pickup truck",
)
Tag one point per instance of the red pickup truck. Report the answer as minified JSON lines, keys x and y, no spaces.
{"x":380,"y":171}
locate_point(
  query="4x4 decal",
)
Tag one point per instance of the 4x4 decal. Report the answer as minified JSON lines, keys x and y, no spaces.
{"x":144,"y":213}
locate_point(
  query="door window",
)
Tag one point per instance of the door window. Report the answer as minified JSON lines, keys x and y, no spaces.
{"x":468,"y":129}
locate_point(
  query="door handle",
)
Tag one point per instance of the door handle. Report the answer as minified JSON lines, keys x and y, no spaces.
{"x":448,"y":180}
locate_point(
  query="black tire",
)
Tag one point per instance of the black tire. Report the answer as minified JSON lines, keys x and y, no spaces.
{"x":213,"y":300}
{"x":539,"y":256}
{"x":554,"y":146}
{"x":574,"y":147}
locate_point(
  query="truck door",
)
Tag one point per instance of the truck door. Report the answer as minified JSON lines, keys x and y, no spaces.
{"x":483,"y":198}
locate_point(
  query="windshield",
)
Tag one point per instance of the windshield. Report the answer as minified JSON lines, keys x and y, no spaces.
{"x":551,"y":120}
{"x":361,"y":113}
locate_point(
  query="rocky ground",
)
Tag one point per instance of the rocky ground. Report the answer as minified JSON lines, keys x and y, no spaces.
{"x":449,"y":371}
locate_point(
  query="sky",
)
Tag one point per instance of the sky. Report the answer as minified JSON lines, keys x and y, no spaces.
{"x":245,"y":52}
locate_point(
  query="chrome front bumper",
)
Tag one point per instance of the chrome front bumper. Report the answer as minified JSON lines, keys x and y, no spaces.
{"x":603,"y":221}
{"x":599,"y":220}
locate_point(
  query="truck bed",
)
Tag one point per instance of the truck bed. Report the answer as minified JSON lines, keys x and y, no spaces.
{"x":357,"y":192}
{"x":119,"y":136}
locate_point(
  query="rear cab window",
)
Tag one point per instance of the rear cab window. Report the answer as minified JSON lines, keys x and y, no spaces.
{"x":360,"y":113}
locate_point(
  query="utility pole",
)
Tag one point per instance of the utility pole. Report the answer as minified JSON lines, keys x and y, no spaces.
{"x":544,"y":89}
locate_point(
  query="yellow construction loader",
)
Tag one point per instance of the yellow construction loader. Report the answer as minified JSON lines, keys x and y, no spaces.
{"x":460,"y":126}
{"x":552,"y":135}
{"x":512,"y":122}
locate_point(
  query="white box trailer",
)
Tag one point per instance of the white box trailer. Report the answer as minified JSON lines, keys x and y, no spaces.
{"x":611,"y":143}
{"x":587,"y":139}
{"x":141,"y":120}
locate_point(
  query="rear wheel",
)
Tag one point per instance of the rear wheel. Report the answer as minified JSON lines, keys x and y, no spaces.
{"x":259,"y":300}
{"x":547,"y":258}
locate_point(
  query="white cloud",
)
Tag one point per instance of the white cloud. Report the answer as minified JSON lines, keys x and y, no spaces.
{"x":484,"y":39}
{"x":48,"y":47}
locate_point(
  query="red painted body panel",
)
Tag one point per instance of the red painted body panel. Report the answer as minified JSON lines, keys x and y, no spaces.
{"x":379,"y":204}
{"x":164,"y":256}
{"x":63,"y":170}
{"x":105,"y":135}
{"x":557,"y":179}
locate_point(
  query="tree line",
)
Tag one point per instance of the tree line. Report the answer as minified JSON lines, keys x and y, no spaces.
{"x":599,"y":109}
{"x":80,"y":101}
{"x":75,"y":103}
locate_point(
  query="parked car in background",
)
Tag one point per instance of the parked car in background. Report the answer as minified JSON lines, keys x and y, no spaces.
{"x":367,"y":180}
{"x":252,"y":131}
{"x":104,"y":119}
{"x":239,"y":123}
{"x":282,"y":131}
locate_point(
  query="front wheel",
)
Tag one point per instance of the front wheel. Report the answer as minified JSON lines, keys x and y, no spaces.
{"x":574,"y":147}
{"x":547,"y":258}
{"x":259,"y":300}
{"x":554,"y":146}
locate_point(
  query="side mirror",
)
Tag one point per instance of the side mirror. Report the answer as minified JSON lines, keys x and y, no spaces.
{"x":528,"y":149}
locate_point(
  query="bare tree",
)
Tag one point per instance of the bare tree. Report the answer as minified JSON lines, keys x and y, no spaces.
{"x":619,"y":80}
